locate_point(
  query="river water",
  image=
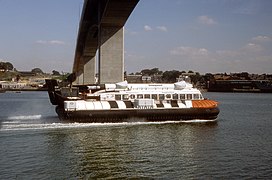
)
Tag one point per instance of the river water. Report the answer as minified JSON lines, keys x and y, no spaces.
{"x":34,"y":144}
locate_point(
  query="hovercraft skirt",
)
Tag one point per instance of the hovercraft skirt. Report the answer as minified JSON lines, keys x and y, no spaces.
{"x":126,"y":115}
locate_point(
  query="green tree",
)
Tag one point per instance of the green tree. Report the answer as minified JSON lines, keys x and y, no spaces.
{"x":55,"y":73}
{"x":2,"y":65}
{"x":146,"y":72}
{"x":155,"y":71}
{"x":196,"y":78}
{"x":37,"y":71}
{"x":170,"y":76}
{"x":7,"y":66}
{"x":151,"y":72}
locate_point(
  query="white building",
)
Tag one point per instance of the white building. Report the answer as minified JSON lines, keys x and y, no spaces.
{"x":12,"y":85}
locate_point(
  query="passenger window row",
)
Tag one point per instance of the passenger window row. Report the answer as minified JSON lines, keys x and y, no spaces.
{"x":159,"y":96}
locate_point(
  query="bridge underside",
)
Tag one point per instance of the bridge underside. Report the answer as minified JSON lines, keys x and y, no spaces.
{"x":101,"y":30}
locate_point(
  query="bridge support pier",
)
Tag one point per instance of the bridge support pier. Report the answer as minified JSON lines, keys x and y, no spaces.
{"x":89,"y":71}
{"x":111,"y":55}
{"x":87,"y":74}
{"x":79,"y":77}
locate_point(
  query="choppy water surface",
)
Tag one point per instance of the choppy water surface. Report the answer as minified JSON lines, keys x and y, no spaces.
{"x":36,"y":145}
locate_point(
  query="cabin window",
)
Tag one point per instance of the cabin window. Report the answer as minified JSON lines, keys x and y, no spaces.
{"x":175,"y":96}
{"x":154,"y":96}
{"x":125,"y":96}
{"x":132,"y":96}
{"x":182,"y":96}
{"x":168,"y":96}
{"x":117,"y":96}
{"x":189,"y":96}
{"x":196,"y":96}
{"x":139,"y":96}
{"x":161,"y":96}
{"x":147,"y":96}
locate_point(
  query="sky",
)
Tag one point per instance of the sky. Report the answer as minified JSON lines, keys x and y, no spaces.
{"x":206,"y":36}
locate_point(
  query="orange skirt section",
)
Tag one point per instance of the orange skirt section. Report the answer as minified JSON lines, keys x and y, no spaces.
{"x":204,"y":103}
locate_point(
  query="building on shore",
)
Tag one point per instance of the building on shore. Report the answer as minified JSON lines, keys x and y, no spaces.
{"x":12,"y":85}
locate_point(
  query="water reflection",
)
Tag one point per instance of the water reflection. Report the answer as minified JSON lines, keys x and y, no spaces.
{"x":139,"y":151}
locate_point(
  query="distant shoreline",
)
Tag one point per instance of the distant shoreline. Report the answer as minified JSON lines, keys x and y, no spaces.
{"x":203,"y":90}
{"x":26,"y":89}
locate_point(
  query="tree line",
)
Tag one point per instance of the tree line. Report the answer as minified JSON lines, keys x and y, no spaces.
{"x":169,"y":76}
{"x":8,"y":66}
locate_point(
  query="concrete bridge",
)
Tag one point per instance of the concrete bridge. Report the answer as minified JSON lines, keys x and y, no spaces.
{"x":101,"y":36}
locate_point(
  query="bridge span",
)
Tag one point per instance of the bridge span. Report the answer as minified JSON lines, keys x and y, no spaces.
{"x":101,"y":36}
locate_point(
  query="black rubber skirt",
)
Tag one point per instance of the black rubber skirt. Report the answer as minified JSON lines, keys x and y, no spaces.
{"x":128,"y":115}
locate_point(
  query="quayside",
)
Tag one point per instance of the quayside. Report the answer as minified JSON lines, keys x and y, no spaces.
{"x":122,"y":102}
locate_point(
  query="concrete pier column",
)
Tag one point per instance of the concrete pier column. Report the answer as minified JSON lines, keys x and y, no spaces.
{"x":89,"y":71}
{"x":111,"y":55}
{"x":79,"y":79}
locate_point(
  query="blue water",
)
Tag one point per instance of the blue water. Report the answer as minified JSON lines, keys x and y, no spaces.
{"x":34,"y":144}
